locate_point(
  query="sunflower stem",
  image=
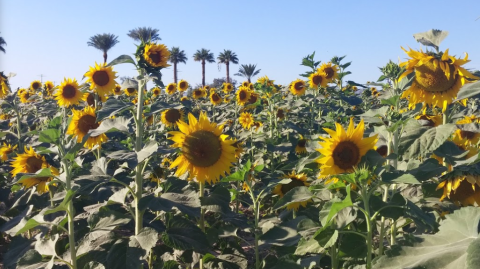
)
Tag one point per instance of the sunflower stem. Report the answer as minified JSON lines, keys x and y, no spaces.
{"x":138,"y":148}
{"x":256,"y":208}
{"x":71,"y":215}
{"x":366,"y":199}
{"x":19,"y":128}
{"x":202,"y":214}
{"x":333,"y":256}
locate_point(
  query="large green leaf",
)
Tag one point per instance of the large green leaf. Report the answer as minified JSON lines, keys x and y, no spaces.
{"x":430,"y":140}
{"x":182,"y":234}
{"x":49,"y":136}
{"x":431,"y":38}
{"x":451,"y":248}
{"x":121,"y":59}
{"x":469,"y":90}
{"x":218,"y":200}
{"x":295,"y":195}
{"x":117,"y":124}
{"x":112,"y":107}
{"x":337,"y":207}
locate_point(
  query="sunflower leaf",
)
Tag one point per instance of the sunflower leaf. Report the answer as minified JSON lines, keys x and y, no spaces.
{"x":111,"y":108}
{"x":337,"y":207}
{"x":50,"y":136}
{"x":431,"y":38}
{"x":184,"y":235}
{"x":117,"y":124}
{"x":430,"y":140}
{"x":295,"y":195}
{"x":468,"y":90}
{"x":63,"y":205}
{"x":451,"y":248}
{"x":121,"y":60}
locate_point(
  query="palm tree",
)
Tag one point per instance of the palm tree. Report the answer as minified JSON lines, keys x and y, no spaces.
{"x":203,"y":56}
{"x":144,"y":34}
{"x":226,"y":57}
{"x":176,"y":56}
{"x":2,"y":44}
{"x":103,"y":42}
{"x":248,"y":71}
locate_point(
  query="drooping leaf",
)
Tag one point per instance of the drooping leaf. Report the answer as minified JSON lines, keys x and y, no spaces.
{"x":117,"y":124}
{"x":431,"y":38}
{"x":121,"y":59}
{"x":112,"y":107}
{"x":430,"y":140}
{"x":184,"y":235}
{"x":295,"y":195}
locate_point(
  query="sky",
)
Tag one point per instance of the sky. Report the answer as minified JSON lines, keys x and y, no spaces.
{"x":48,"y":39}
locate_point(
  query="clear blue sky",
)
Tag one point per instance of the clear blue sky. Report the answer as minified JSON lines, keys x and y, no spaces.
{"x":50,"y":37}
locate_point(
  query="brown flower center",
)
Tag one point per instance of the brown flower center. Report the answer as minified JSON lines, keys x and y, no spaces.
{"x":90,"y":99}
{"x":301,"y":143}
{"x":155,"y":57}
{"x":294,"y":183}
{"x":69,"y":92}
{"x":317,"y":79}
{"x":171,"y":88}
{"x":433,"y":79}
{"x":198,"y":92}
{"x":280,"y":113}
{"x":253,"y":99}
{"x":131,"y":90}
{"x":86,"y":123}
{"x":229,"y":87}
{"x":202,"y":148}
{"x":172,"y":115}
{"x":33,"y":164}
{"x":117,"y":89}
{"x":183,"y":85}
{"x":346,"y":155}
{"x":467,"y":134}
{"x":382,"y":150}
{"x":100,"y":78}
{"x":36,"y":85}
{"x":242,"y":95}
{"x":215,"y":97}
{"x":298,"y":86}
{"x":329,"y":72}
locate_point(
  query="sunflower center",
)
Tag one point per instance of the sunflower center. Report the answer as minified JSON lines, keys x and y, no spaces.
{"x":117,"y":89}
{"x":243,"y":95}
{"x":155,"y":57}
{"x":68,"y":92}
{"x":171,"y":88}
{"x":382,"y":150}
{"x":253,"y":99}
{"x":346,"y":155}
{"x":433,"y":79}
{"x":182,"y":85}
{"x":172,"y":115}
{"x":33,"y":164}
{"x":317,"y":80}
{"x":198,"y":93}
{"x":302,"y":143}
{"x":101,"y":78}
{"x":229,"y":87}
{"x":294,"y":183}
{"x":86,"y":123}
{"x":130,"y":90}
{"x":467,"y":134}
{"x":329,"y":72}
{"x":36,"y":85}
{"x":298,"y":86}
{"x":280,"y":114}
{"x":215,"y":98}
{"x":202,"y":148}
{"x":90,"y":99}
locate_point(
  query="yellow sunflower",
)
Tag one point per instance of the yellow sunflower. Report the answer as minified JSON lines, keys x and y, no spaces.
{"x":245,"y":84}
{"x":170,"y":117}
{"x":343,"y":151}
{"x":156,"y":55}
{"x":82,"y":122}
{"x":182,"y":85}
{"x":4,"y":88}
{"x":184,"y":98}
{"x":48,"y":85}
{"x":266,"y":81}
{"x":433,"y":120}
{"x":68,"y":93}
{"x":156,"y":92}
{"x":227,"y":87}
{"x":166,"y":162}
{"x":25,"y":96}
{"x":215,"y":99}
{"x":298,"y":87}
{"x":238,"y":145}
{"x":253,"y":97}
{"x":246,"y":120}
{"x":317,"y":79}
{"x":227,"y":98}
{"x":117,"y":90}
{"x":207,"y":154}
{"x":199,"y":93}
{"x":301,"y":145}
{"x":243,"y":95}
{"x":437,"y":78}
{"x":471,"y":138}
{"x":171,"y":88}
{"x":35,"y":85}
{"x":331,"y":71}
{"x":297,"y":180}
{"x":31,"y":162}
{"x":461,"y":186}
{"x":102,"y":79}
{"x":257,"y":125}
{"x":157,"y":174}
{"x":131,"y":91}
{"x":5,"y":150}
{"x":89,"y":98}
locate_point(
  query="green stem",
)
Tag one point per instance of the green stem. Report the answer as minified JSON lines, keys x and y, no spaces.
{"x":71,"y":215}
{"x":138,"y":148}
{"x":19,"y":129}
{"x":333,"y":256}
{"x":393,"y":233}
{"x":365,"y":197}
{"x":202,"y":215}
{"x":257,"y":235}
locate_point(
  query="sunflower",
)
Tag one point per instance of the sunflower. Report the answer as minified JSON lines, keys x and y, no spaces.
{"x":207,"y":154}
{"x":298,"y":87}
{"x":4,"y":87}
{"x":82,"y":122}
{"x":5,"y":116}
{"x":465,"y":145}
{"x":131,"y":91}
{"x":156,"y":55}
{"x":471,"y":138}
{"x":206,"y":89}
{"x":374,"y":91}
{"x":246,"y":120}
{"x":157,"y":174}
{"x":35,"y":85}
{"x":257,"y":125}
{"x":382,"y":150}
{"x":251,"y":86}
{"x":227,"y":98}
{"x":68,"y":93}
{"x":461,"y":186}
{"x":438,"y":78}
{"x":227,"y":87}
{"x":182,"y":85}
{"x":5,"y":150}
{"x":215,"y":99}
{"x":31,"y":162}
{"x":431,"y":120}
{"x":48,"y":86}
{"x":101,"y":78}
{"x":297,"y":180}
{"x":317,"y":79}
{"x":184,"y":98}
{"x":245,"y":84}
{"x":343,"y":151}
{"x":117,"y":90}
{"x":25,"y":95}
{"x":89,"y":98}
{"x":331,"y":71}
{"x":301,"y":145}
{"x":243,"y":95}
{"x":266,"y":81}
{"x":238,"y":145}
{"x":170,"y":117}
{"x":171,"y":88}
{"x":253,"y":97}
{"x":199,"y":93}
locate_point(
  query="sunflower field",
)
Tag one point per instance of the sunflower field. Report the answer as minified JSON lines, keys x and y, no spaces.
{"x":322,"y":173}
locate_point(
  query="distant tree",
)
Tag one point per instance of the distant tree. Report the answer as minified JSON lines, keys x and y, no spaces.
{"x":144,"y":34}
{"x":2,"y":44}
{"x":103,"y":42}
{"x":248,"y":71}
{"x":176,"y":56}
{"x":226,"y":57}
{"x":218,"y":82}
{"x":123,"y":78}
{"x":203,"y":56}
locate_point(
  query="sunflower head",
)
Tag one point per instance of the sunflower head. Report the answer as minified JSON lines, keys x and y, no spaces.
{"x":171,"y":88}
{"x":238,"y":145}
{"x":301,"y":146}
{"x":68,"y":93}
{"x":246,"y":120}
{"x":117,"y":90}
{"x":317,"y":79}
{"x":25,"y":95}
{"x":82,"y":122}
{"x":227,"y":87}
{"x":170,"y":117}
{"x":245,"y":84}
{"x":298,"y":87}
{"x":184,"y":98}
{"x":4,"y":85}
{"x":35,"y":85}
{"x":280,"y":113}
{"x":243,"y":95}
{"x":297,"y":180}
{"x":253,"y":97}
{"x":430,"y":120}
{"x":462,"y":185}
{"x":206,"y":153}
{"x":155,"y":56}
{"x":266,"y":81}
{"x":344,"y":149}
{"x":182,"y":85}
{"x":131,"y":91}
{"x":330,"y":70}
{"x":5,"y":150}
{"x":215,"y":98}
{"x":101,"y":79}
{"x":48,"y":86}
{"x":199,"y":93}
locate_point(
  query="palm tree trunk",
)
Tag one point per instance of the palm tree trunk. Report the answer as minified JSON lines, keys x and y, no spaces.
{"x":105,"y":57}
{"x":228,"y":71}
{"x":249,"y":80}
{"x":203,"y":73}
{"x":175,"y":73}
